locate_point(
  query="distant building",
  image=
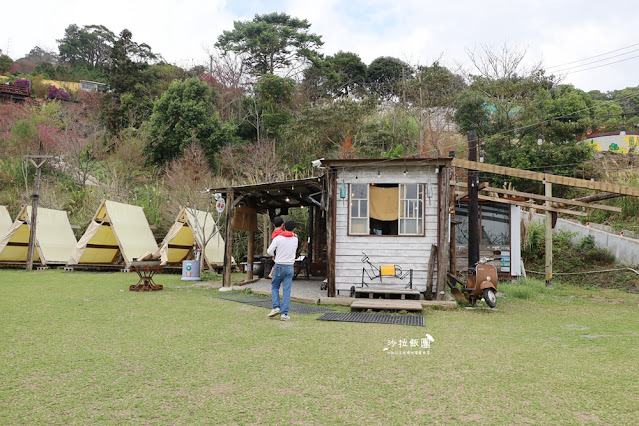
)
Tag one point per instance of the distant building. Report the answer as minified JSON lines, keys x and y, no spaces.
{"x":614,"y":141}
{"x":92,"y":86}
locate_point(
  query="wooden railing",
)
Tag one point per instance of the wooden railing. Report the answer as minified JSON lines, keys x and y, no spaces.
{"x":15,"y":89}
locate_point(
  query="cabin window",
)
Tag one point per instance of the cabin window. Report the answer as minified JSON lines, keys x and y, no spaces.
{"x":386,"y":209}
{"x":494,"y":222}
{"x":359,"y":209}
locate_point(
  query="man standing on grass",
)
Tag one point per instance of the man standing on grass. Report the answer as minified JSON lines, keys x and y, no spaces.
{"x":284,"y":250}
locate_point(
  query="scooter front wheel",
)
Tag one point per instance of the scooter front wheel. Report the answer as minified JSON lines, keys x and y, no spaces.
{"x":490,"y":296}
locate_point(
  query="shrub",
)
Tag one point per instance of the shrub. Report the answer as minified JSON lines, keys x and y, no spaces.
{"x":57,"y":93}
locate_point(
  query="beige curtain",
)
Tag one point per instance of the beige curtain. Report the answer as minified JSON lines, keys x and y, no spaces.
{"x":384,"y":203}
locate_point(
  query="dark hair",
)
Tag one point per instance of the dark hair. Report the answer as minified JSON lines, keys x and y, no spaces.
{"x":278,"y":221}
{"x":290,"y":225}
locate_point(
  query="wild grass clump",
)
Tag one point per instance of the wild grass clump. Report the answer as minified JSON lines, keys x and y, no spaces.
{"x":526,"y":288}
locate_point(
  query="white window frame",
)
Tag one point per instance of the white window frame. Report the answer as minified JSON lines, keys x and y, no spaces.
{"x":411,"y":210}
{"x":361,"y":201}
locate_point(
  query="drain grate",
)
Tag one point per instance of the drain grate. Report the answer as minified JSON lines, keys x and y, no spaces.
{"x":262,"y":302}
{"x":374,"y":318}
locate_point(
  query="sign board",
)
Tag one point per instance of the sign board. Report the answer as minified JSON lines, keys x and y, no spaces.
{"x":220,"y":205}
{"x":505,"y":262}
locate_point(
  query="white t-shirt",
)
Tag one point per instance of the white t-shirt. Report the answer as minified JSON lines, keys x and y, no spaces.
{"x":284,"y":249}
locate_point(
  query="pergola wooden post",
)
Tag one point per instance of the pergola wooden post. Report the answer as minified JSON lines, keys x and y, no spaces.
{"x":443,"y":228}
{"x":548,"y":248}
{"x":228,"y":246}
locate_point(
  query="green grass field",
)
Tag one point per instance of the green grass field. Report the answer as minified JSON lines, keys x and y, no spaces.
{"x":80,"y":348}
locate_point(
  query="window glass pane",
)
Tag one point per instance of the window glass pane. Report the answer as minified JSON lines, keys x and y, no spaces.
{"x":495,"y":225}
{"x":358,"y":226}
{"x":354,"y":208}
{"x":461,"y":230}
{"x":359,"y":190}
{"x":410,"y":226}
{"x":411,"y":191}
{"x":420,"y":226}
{"x":363,"y":208}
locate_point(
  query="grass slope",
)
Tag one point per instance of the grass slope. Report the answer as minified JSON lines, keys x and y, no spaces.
{"x":80,"y":348}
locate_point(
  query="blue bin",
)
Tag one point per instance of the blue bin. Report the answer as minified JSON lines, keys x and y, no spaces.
{"x":191,"y":270}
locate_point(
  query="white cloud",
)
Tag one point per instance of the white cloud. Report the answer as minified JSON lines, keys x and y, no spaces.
{"x":414,"y":30}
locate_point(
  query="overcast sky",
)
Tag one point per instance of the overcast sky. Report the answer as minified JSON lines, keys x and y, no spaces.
{"x":553,"y":32}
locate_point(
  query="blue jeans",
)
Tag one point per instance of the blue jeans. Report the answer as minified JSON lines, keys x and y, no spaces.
{"x":282,"y":274}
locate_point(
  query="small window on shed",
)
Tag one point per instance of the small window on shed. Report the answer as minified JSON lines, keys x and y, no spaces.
{"x":386,"y":209}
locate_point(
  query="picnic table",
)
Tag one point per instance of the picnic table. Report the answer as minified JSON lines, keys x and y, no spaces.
{"x":146,"y":270}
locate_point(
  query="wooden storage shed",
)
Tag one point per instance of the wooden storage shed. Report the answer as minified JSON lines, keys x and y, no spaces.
{"x":396,"y":211}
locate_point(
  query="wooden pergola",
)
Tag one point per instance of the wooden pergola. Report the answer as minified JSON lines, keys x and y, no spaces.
{"x":245,"y":202}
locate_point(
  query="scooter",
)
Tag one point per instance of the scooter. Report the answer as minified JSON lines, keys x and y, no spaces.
{"x":480,"y":284}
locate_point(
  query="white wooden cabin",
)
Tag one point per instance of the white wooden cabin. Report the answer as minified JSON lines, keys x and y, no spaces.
{"x":390,"y":210}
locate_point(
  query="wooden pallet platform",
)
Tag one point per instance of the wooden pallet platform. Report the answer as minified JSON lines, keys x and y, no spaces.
{"x":99,"y":267}
{"x":386,"y":305}
{"x":387,"y":293}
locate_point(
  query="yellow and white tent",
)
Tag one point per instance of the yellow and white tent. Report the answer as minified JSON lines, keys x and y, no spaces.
{"x":115,"y":229}
{"x":54,"y":240}
{"x":193,"y":227}
{"x":5,"y":221}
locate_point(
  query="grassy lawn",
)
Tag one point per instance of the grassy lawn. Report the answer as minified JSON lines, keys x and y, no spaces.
{"x":80,"y":348}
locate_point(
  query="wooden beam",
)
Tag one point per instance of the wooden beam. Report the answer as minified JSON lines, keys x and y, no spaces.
{"x":548,"y":226}
{"x":555,"y":199}
{"x":331,"y":226}
{"x":228,"y":241}
{"x":250,"y":255}
{"x":531,"y":206}
{"x":545,"y":177}
{"x":465,"y":186}
{"x":428,"y":294}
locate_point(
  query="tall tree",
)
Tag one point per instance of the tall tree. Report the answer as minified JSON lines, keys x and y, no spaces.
{"x":271,"y":43}
{"x":186,"y":113}
{"x":432,"y":96}
{"x":386,"y":75}
{"x":129,"y":103}
{"x":5,"y":63}
{"x":342,"y":74}
{"x":90,"y":44}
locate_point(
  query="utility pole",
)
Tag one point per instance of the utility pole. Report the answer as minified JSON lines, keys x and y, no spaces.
{"x":548,"y":265}
{"x":34,"y":201}
{"x":473,"y":203}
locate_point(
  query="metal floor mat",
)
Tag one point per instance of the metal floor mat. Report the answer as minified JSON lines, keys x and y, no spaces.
{"x":263,"y":302}
{"x":374,"y":318}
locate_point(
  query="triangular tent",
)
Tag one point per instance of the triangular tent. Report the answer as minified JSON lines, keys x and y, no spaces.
{"x":116,"y":229}
{"x":193,"y":227}
{"x":5,"y":221}
{"x":54,"y":237}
